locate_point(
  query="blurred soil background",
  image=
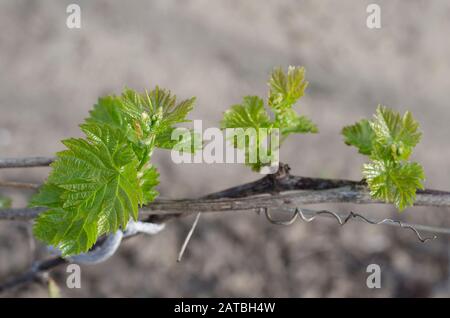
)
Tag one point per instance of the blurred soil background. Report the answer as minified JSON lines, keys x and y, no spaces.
{"x":219,"y":51}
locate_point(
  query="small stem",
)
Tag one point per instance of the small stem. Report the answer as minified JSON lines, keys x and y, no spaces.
{"x":25,"y":162}
{"x":188,"y":237}
{"x":18,"y":185}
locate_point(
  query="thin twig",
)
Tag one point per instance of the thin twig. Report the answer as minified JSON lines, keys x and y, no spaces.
{"x":20,"y":214}
{"x":25,"y":162}
{"x":18,"y":185}
{"x":358,"y":195}
{"x":188,"y":237}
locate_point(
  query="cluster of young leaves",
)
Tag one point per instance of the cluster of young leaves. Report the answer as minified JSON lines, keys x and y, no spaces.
{"x":285,"y":89}
{"x":389,"y":140}
{"x":98,"y":183}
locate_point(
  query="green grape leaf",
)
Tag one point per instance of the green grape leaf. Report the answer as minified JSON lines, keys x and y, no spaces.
{"x":190,"y":141}
{"x":148,"y":181}
{"x":254,"y":143}
{"x":389,"y":140}
{"x":49,"y":196}
{"x":96,"y":182}
{"x":247,"y":119}
{"x":289,"y":122}
{"x":250,"y":113}
{"x":286,"y":89}
{"x":147,"y":119}
{"x":158,"y":106}
{"x":395,"y":135}
{"x":360,"y":135}
{"x":108,"y":111}
{"x":178,"y":113}
{"x":394,"y":182}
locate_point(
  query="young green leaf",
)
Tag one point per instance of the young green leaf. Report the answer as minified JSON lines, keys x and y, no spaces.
{"x":148,"y":181}
{"x":247,"y":119}
{"x":250,"y":113}
{"x":291,"y":123}
{"x":49,"y":196}
{"x":159,"y":105}
{"x":285,"y":90}
{"x":396,"y":134}
{"x":191,"y":141}
{"x":394,"y":182}
{"x":389,"y":140}
{"x":147,"y":119}
{"x":360,"y":135}
{"x":98,"y":183}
